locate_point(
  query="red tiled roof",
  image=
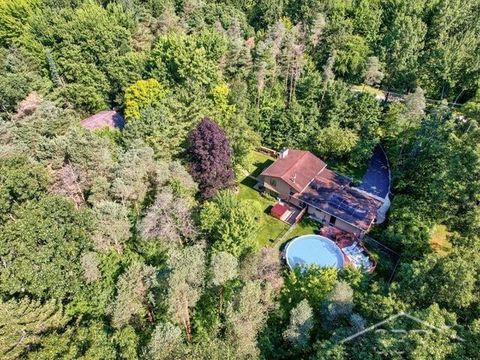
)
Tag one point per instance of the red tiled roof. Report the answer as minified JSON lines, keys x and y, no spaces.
{"x":107,"y":118}
{"x":278,"y":210}
{"x":297,"y":168}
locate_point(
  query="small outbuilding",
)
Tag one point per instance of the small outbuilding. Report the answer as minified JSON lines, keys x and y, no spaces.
{"x":279,"y":210}
{"x":108,"y":118}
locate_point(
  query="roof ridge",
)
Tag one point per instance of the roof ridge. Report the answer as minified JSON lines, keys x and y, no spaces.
{"x":304,"y":152}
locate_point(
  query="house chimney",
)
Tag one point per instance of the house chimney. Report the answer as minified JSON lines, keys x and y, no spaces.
{"x":294,"y":177}
{"x":283,"y":153}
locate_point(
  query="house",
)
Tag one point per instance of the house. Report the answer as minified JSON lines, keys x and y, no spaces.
{"x":108,"y":118}
{"x":300,"y":178}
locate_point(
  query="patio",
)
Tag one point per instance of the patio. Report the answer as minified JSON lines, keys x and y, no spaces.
{"x":352,"y":248}
{"x":287,"y":213}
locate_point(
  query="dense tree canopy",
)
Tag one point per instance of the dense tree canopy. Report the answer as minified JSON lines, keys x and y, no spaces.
{"x":143,"y":242}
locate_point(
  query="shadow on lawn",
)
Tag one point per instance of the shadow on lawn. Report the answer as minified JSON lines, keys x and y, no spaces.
{"x":260,"y":166}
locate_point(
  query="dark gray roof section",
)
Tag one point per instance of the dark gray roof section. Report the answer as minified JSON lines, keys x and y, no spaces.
{"x":376,"y":180}
{"x":330,"y":192}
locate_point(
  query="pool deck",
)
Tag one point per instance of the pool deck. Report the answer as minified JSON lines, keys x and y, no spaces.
{"x":353,"y":250}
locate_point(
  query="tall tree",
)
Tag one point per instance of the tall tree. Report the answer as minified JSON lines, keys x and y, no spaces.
{"x":232,"y":223}
{"x":301,"y":324}
{"x":210,"y":157}
{"x":185,"y":282}
{"x":168,"y":219}
{"x":135,"y":167}
{"x":245,"y":317}
{"x":23,"y":323}
{"x":133,"y":302}
{"x":373,"y":74}
{"x":41,"y":249}
{"x":20,"y":180}
{"x":165,"y":342}
{"x":113,"y":226}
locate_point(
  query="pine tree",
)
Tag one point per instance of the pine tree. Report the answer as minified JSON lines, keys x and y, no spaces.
{"x":132,"y":303}
{"x":24,"y":321}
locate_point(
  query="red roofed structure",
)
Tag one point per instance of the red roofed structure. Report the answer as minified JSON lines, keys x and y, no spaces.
{"x":278,"y":210}
{"x":107,"y":118}
{"x":301,"y":179}
{"x":296,"y":168}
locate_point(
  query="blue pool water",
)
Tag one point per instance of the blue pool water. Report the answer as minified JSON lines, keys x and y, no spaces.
{"x":309,"y":250}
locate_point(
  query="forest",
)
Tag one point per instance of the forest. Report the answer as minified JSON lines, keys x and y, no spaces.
{"x":138,"y":243}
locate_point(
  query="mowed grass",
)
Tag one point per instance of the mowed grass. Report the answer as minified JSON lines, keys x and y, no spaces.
{"x":270,"y":228}
{"x":259,"y":162}
{"x":304,"y":227}
{"x":439,"y":240}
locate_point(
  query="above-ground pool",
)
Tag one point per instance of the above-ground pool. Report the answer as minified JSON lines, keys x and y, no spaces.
{"x":309,"y":250}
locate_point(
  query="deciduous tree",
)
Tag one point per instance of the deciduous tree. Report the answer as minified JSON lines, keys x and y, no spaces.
{"x":301,"y":324}
{"x":210,"y":157}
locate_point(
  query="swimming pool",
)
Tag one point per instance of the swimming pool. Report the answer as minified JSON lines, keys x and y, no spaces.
{"x":317,"y":250}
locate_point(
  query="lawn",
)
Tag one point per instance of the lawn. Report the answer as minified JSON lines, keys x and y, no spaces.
{"x":439,"y":240}
{"x":259,"y":162}
{"x":304,"y":227}
{"x":269,"y":227}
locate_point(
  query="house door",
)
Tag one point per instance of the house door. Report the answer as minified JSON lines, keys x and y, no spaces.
{"x":333,"y":219}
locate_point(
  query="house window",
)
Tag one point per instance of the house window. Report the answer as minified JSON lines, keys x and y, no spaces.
{"x":273,"y":182}
{"x":333,"y":220}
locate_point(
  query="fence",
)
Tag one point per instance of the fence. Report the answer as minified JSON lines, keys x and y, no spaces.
{"x":268,"y":151}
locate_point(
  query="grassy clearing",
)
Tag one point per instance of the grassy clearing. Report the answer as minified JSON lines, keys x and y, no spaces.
{"x":269,"y":227}
{"x":367,"y":89}
{"x":439,"y":240}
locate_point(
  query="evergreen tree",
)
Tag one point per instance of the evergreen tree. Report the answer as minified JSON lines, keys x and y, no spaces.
{"x":23,"y":323}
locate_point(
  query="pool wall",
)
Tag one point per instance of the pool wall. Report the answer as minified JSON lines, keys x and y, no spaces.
{"x":331,"y":246}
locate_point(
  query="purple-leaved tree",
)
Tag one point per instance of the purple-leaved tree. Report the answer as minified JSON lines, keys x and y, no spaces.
{"x":211,"y":158}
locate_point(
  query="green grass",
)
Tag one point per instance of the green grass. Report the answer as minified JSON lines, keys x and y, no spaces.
{"x":439,"y":240}
{"x":259,"y":162}
{"x":367,"y":89}
{"x":269,"y":227}
{"x":304,"y":227}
